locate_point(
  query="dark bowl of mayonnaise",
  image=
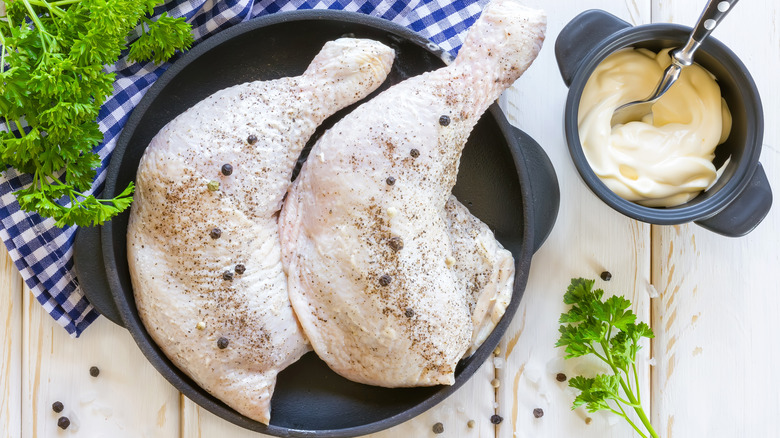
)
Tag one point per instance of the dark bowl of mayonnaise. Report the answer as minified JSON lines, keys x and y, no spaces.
{"x":693,"y":160}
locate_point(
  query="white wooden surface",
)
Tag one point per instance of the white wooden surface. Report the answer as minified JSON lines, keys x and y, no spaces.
{"x":717,"y":348}
{"x":716,"y":354}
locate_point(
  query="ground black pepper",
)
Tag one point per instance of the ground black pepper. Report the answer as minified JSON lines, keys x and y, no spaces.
{"x":385,"y":280}
{"x":57,"y":407}
{"x":538,"y":413}
{"x":396,"y":243}
{"x":94,"y":371}
{"x":560,"y":377}
{"x":222,"y":343}
{"x":409,"y":312}
{"x":390,"y":180}
{"x":444,"y":120}
{"x":414,"y":153}
{"x":215,"y":233}
{"x":496,"y":419}
{"x":252,"y":139}
{"x":606,"y":276}
{"x":227,"y":169}
{"x":240,"y":269}
{"x":227,"y":275}
{"x":63,"y":422}
{"x":438,"y":428}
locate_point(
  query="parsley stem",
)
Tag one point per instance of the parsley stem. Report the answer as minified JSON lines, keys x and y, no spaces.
{"x":19,"y":127}
{"x":65,"y":2}
{"x":636,"y":381}
{"x":623,"y":414}
{"x":633,"y":401}
{"x":51,"y":7}
{"x":2,"y":54}
{"x":38,"y":25}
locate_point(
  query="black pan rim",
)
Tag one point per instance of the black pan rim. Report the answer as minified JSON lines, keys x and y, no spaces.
{"x":196,"y":393}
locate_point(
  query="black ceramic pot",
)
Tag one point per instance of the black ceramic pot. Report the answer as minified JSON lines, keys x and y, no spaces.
{"x":505,"y":179}
{"x":741,"y":198}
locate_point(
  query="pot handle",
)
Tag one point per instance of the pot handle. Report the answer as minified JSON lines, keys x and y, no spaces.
{"x":545,"y":194}
{"x":91,"y":273}
{"x":581,"y":34}
{"x":746,"y":211}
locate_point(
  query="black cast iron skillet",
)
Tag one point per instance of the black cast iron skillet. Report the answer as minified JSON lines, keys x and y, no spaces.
{"x":505,"y":179}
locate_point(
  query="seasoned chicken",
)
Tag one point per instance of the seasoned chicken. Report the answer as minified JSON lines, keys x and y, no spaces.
{"x":203,"y":242}
{"x":383,"y":276}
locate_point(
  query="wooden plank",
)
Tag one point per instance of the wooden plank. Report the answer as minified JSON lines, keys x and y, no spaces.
{"x":10,"y":348}
{"x":588,"y":238}
{"x":128,"y":399}
{"x":717,"y":351}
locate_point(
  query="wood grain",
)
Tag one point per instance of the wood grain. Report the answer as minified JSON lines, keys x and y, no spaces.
{"x":128,"y":399}
{"x":588,"y":238}
{"x":10,"y":348}
{"x":716,"y":351}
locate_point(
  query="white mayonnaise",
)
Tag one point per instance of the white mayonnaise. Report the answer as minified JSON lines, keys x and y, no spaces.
{"x":665,"y":159}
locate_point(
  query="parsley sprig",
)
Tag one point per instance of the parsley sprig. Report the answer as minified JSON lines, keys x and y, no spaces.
{"x":608,"y":330}
{"x":53,"y":82}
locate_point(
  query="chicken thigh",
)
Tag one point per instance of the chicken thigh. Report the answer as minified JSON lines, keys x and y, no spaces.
{"x":203,"y":242}
{"x":392,"y":285}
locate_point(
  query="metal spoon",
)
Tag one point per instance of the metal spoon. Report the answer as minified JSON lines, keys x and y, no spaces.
{"x":712,"y":15}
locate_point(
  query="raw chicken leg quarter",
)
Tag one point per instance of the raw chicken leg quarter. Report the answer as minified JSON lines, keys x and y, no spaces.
{"x":203,"y":242}
{"x":392,"y":279}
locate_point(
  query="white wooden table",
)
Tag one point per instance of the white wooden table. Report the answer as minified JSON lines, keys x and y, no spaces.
{"x":715,"y":354}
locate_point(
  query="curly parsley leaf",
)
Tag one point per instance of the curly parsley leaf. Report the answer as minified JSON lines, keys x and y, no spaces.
{"x":161,"y":38}
{"x":607,"y":329}
{"x":52,"y":84}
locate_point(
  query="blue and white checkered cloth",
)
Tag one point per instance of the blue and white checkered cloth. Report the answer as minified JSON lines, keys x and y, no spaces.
{"x":43,"y":253}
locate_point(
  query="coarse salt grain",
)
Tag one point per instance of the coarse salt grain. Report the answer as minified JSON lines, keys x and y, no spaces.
{"x":652,"y":291}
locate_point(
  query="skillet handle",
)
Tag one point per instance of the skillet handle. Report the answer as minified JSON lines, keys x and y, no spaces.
{"x":545,"y":193}
{"x":91,"y":273}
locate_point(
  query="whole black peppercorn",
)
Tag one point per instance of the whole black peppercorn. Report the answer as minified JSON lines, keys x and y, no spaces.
{"x":222,"y":343}
{"x":227,"y":275}
{"x":252,"y":139}
{"x":409,"y":312}
{"x":396,"y":243}
{"x":63,"y":422}
{"x":57,"y":407}
{"x":444,"y":120}
{"x":538,"y":413}
{"x":606,"y":276}
{"x":215,"y":233}
{"x":414,"y":153}
{"x":94,"y":371}
{"x":438,"y":428}
{"x":227,"y":169}
{"x":560,"y":377}
{"x":390,"y":180}
{"x":240,"y":269}
{"x":385,"y":280}
{"x":496,"y":419}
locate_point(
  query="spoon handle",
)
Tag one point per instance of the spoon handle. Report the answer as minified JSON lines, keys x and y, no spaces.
{"x":712,"y":15}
